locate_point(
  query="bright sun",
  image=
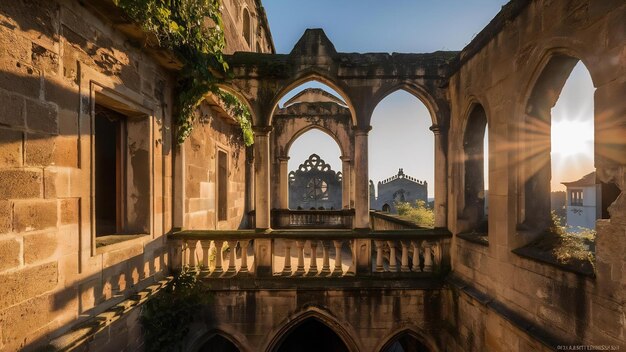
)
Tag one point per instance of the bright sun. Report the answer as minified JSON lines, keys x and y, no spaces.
{"x":571,"y":138}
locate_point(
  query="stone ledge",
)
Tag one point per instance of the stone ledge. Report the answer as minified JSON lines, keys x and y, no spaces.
{"x":86,"y":331}
{"x":578,"y":267}
{"x":478,"y":238}
{"x":415,"y":282}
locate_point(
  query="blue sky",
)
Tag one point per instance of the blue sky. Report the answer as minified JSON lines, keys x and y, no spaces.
{"x":400,"y":137}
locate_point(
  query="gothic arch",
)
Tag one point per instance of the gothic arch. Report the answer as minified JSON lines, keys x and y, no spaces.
{"x":415,"y":90}
{"x":308,"y":75}
{"x":343,"y":147}
{"x":241,"y":97}
{"x":200,"y":334}
{"x":553,"y":67}
{"x":342,"y":329}
{"x":412,"y":331}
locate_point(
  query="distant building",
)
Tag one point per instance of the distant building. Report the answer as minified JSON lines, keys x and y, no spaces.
{"x":397,"y":188}
{"x":582,"y":198}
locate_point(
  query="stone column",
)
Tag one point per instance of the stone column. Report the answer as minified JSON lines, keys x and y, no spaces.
{"x":249,"y":206}
{"x":262,"y":177}
{"x":361,"y":182}
{"x":284,"y":183}
{"x":345,"y":182}
{"x":441,"y":185}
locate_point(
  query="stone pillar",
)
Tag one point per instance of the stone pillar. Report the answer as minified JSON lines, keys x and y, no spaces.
{"x":249,"y":206}
{"x":345,"y":182}
{"x":441,"y":185}
{"x":361,"y":182}
{"x":262,"y":177}
{"x":284,"y":182}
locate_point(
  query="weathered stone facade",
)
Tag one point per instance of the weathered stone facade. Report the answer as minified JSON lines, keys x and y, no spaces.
{"x":63,"y":62}
{"x":502,"y":67}
{"x":60,"y":62}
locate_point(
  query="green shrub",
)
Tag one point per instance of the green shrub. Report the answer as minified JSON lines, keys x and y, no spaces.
{"x":419,"y":213}
{"x":166,"y":316}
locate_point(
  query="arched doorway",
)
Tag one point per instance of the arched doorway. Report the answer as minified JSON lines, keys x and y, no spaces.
{"x":312,"y":336}
{"x":218,"y":343}
{"x":405,"y":343}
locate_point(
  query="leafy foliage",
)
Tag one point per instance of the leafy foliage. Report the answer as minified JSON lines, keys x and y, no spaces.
{"x":241,"y":111}
{"x":418,"y":212}
{"x":193,"y":30}
{"x":572,"y":245}
{"x":166,"y":316}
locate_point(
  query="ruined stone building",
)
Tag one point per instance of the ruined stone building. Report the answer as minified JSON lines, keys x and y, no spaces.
{"x":314,"y":185}
{"x":399,"y":188}
{"x":99,"y":205}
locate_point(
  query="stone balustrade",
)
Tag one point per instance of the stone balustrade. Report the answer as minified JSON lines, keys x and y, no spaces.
{"x":334,"y":219}
{"x":312,"y":253}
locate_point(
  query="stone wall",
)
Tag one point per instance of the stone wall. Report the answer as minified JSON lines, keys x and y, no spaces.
{"x":499,"y":70}
{"x":211,"y":133}
{"x":57,"y":58}
{"x":232,"y":15}
{"x":365,"y":319}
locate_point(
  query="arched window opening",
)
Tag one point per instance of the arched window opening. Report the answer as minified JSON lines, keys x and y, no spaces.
{"x":247,"y":27}
{"x":314,"y":182}
{"x":405,"y":343}
{"x":401,"y":153}
{"x":476,"y":156}
{"x":562,"y":197}
{"x":312,"y":336}
{"x":218,"y":343}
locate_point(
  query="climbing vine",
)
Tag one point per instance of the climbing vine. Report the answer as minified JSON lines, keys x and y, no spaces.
{"x":193,"y":30}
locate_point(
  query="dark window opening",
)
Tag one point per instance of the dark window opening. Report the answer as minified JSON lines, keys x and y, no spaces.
{"x":247,"y":35}
{"x":474,"y":211}
{"x":218,"y":343}
{"x":406,"y":343}
{"x":576,"y":197}
{"x":222,"y":184}
{"x":312,"y":336}
{"x":609,"y":193}
{"x":108,"y":159}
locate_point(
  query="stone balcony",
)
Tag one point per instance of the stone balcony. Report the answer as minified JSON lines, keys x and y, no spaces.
{"x":314,"y":257}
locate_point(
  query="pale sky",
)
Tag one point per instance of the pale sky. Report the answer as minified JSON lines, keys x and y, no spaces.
{"x":400,"y":137}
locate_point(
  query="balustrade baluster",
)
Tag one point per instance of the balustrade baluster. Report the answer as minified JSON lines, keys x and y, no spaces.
{"x":416,"y":255}
{"x":325,"y":258}
{"x":352,"y":268}
{"x":338,"y":269}
{"x":218,"y":258}
{"x":379,"y":256}
{"x":405,"y":256}
{"x":300,"y":268}
{"x":287,"y":265}
{"x":232,"y":247}
{"x":393,"y":264}
{"x":206,"y":246}
{"x":244,"y":256}
{"x":183,"y":254}
{"x":192,"y":254}
{"x":428,"y":257}
{"x":313,"y":265}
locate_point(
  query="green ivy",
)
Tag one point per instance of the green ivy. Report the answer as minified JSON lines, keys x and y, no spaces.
{"x":167,"y":316}
{"x":193,"y":30}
